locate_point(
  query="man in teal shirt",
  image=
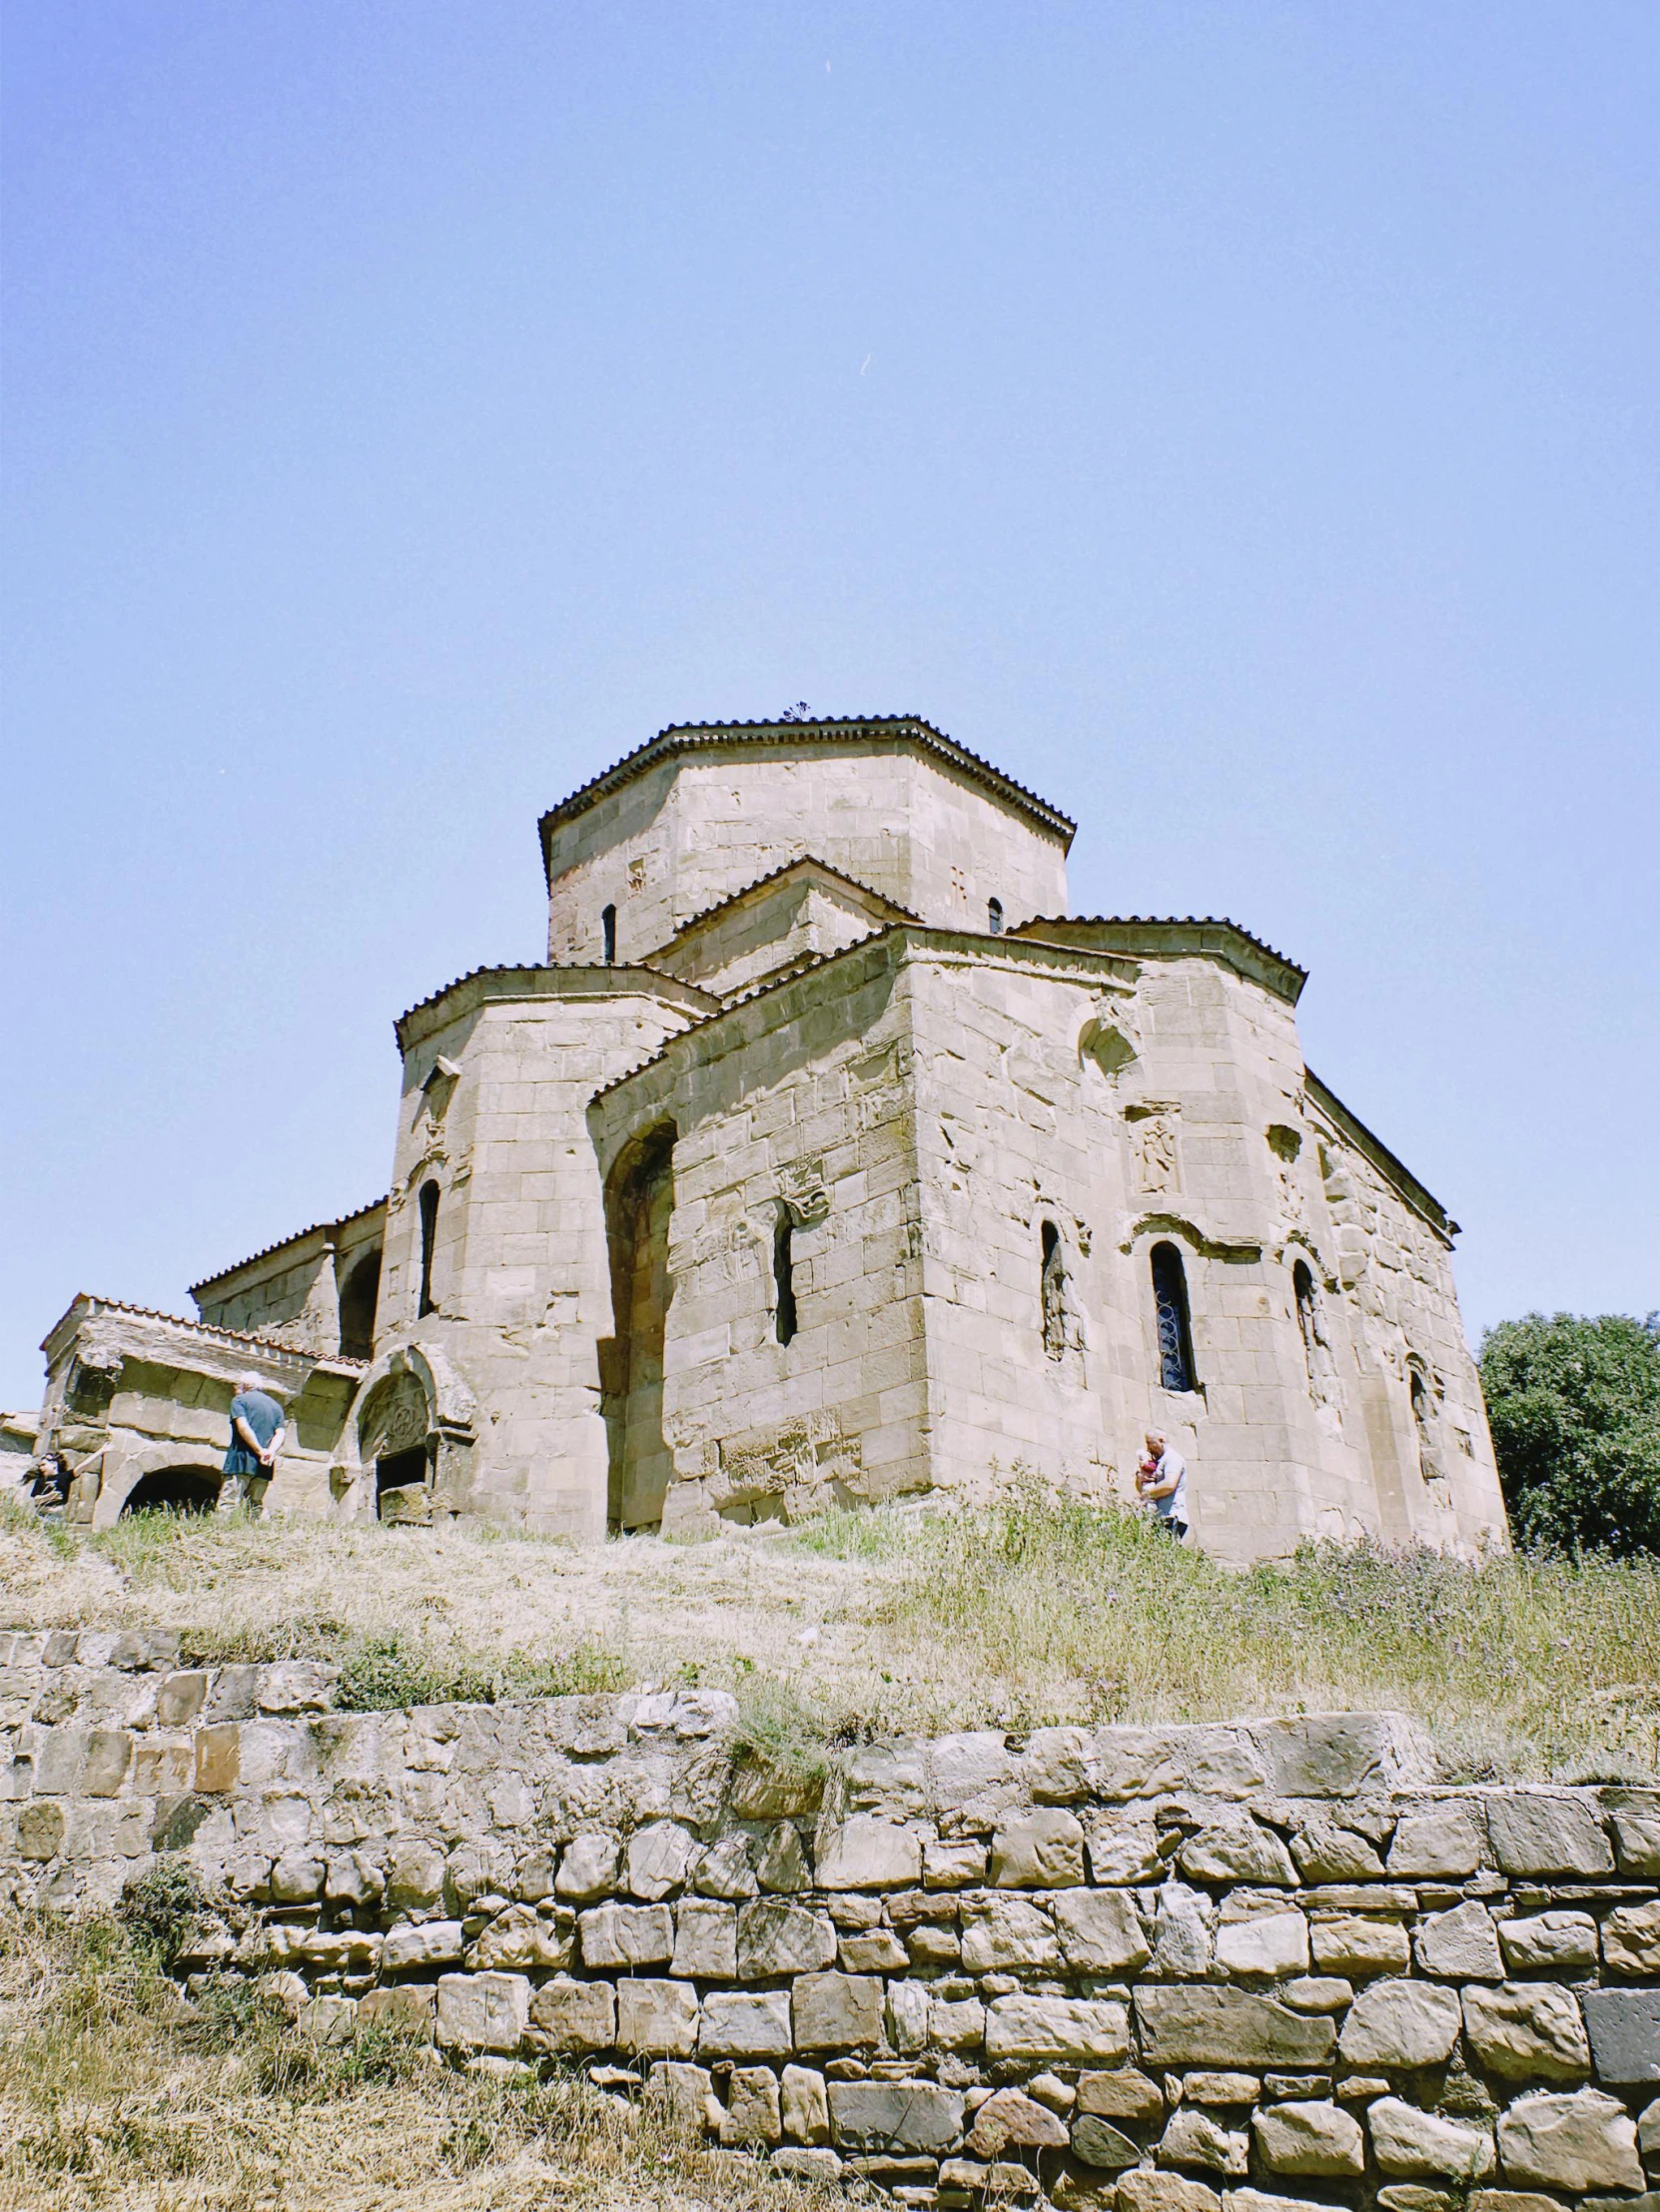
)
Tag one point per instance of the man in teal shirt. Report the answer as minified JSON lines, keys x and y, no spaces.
{"x":256,"y":1432}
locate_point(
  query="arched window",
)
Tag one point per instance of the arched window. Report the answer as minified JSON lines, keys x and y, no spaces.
{"x":994,"y":915}
{"x":358,"y":1296}
{"x":1423,"y":1422}
{"x":1053,"y":1291}
{"x":783,"y":1276}
{"x":1169,"y":1305}
{"x":607,"y":930}
{"x":428,"y":1243}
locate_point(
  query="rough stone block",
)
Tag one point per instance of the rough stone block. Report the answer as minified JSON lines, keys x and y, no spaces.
{"x":1193,"y":2138}
{"x":804,"y":2108}
{"x":1438,"y":1845}
{"x":907,"y":2016}
{"x":1625,"y":2034}
{"x":658,"y":1856}
{"x":1123,"y":1852}
{"x":414,"y":1878}
{"x":1582,"y":2141}
{"x":1549,"y":1942}
{"x":705,"y":1940}
{"x":218,"y":1758}
{"x":1225,"y":2089}
{"x":1637,"y":1844}
{"x":782,"y":1863}
{"x":431,"y":1943}
{"x":1125,"y":2094}
{"x":1181,"y":1931}
{"x":836,"y":2011}
{"x":745,"y":2024}
{"x":819,"y":2168}
{"x":407,"y":2007}
{"x":865,"y":1853}
{"x":1311,"y":2137}
{"x":523,"y":1939}
{"x":952,"y":1866}
{"x":328,"y":2020}
{"x":587,"y":1869}
{"x":1231,"y":2028}
{"x":180,"y":1698}
{"x":483,"y":2012}
{"x":1000,"y":1932}
{"x":1410,"y":2145}
{"x":779,"y":1939}
{"x":1237,"y":1852}
{"x":627,"y":1936}
{"x":108,"y":1755}
{"x":568,"y":2020}
{"x":1461,"y":1946}
{"x":1041,"y":1849}
{"x":895,"y":2116}
{"x":1328,"y":1854}
{"x":1100,"y":1932}
{"x":1357,"y":1947}
{"x":1401,"y":2023}
{"x":1011,"y":2117}
{"x":1631,"y":1940}
{"x":1146,"y":2191}
{"x":40,"y":1831}
{"x":752,"y":2110}
{"x":1258,"y":2200}
{"x":656,"y":2019}
{"x":1536,"y":1833}
{"x":956,"y":2024}
{"x":1527,"y":2031}
{"x":1077,"y":2030}
{"x":684,"y":2095}
{"x":1267,"y":1944}
{"x":724,"y":1871}
{"x":875,"y":1950}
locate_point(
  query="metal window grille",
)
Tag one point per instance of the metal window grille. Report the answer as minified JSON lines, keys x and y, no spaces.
{"x":1170,"y":1305}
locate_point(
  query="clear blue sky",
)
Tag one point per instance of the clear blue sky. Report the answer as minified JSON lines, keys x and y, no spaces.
{"x":1238,"y":420}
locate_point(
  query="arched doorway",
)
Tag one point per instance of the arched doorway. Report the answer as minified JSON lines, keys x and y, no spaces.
{"x":359,"y":1296}
{"x":174,"y":1490}
{"x":394,"y":1435}
{"x":639,"y":1200}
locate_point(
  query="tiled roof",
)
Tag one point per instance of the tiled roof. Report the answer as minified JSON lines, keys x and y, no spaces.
{"x":685,"y":737}
{"x":801,"y":860}
{"x":266,"y":1250}
{"x":1195,"y":922}
{"x":670,"y":983}
{"x":198,"y":1328}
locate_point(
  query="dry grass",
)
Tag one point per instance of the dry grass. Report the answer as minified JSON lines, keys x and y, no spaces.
{"x":879,"y":1621}
{"x":117,"y":2093}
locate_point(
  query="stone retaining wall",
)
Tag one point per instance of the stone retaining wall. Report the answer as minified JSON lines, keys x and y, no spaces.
{"x":1145,"y":1966}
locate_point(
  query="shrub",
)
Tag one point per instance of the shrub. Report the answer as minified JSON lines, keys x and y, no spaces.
{"x":1574,"y":1407}
{"x":160,"y":1906}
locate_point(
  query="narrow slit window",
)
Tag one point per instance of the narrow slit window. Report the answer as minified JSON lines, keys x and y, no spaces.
{"x":1169,"y":1305}
{"x":783,"y":1277}
{"x":1303,"y":1282}
{"x":428,"y":1243}
{"x":994,"y":915}
{"x":1054,"y":1279}
{"x":607,"y":930}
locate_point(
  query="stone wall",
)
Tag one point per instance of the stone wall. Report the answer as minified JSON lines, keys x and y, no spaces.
{"x":1139,"y":1966}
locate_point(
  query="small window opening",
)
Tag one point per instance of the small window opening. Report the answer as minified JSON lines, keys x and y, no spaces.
{"x":783,"y":1277}
{"x":1169,"y":1305}
{"x":428,"y":1243}
{"x":1423,"y":1421}
{"x":1054,"y":1292}
{"x":1307,"y":1322}
{"x":994,"y":915}
{"x":607,"y":927}
{"x":175,"y":1490}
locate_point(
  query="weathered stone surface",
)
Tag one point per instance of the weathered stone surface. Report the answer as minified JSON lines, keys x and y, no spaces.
{"x":1100,"y":1932}
{"x":1148,"y":2191}
{"x":1194,"y":2139}
{"x":1182,"y":1934}
{"x":1310,"y":2138}
{"x":1058,"y":1764}
{"x":1123,"y":1852}
{"x":1637,"y":1844}
{"x":745,"y":2024}
{"x":683,"y":2095}
{"x":414,"y":1878}
{"x":568,"y":2020}
{"x":803,"y":2105}
{"x":658,"y":1856}
{"x":1512,"y":2200}
{"x":1648,"y":2130}
{"x":705,"y":1940}
{"x":781,"y":1866}
{"x":627,"y":1936}
{"x":656,"y":2019}
{"x":1625,"y":2034}
{"x":836,"y":2011}
{"x":587,"y":1869}
{"x":1631,"y":1940}
{"x":724,"y":1871}
{"x":753,"y":2109}
{"x":875,"y":1950}
{"x":429,"y":1944}
{"x":1079,"y":2030}
{"x":1357,"y":1947}
{"x":483,"y":2012}
{"x":956,"y":2024}
{"x":1461,"y":1946}
{"x":1229,"y":2027}
{"x":1401,"y":2023}
{"x":865,"y":1853}
{"x":1318,"y":1993}
{"x":1410,"y":2144}
{"x":1009,"y":2116}
{"x":1125,"y":2094}
{"x":524,"y":1940}
{"x":1324,"y":1853}
{"x":952,"y":1866}
{"x":1267,"y":1944}
{"x":1239,"y":1851}
{"x":1586,"y":2140}
{"x":1527,"y":2031}
{"x":1443,"y":1845}
{"x":1259,"y":2200}
{"x":1040,"y":1849}
{"x":1549,"y":1942}
{"x":1097,"y":2143}
{"x":1536,"y":1833}
{"x":1219,"y":2086}
{"x":779,"y":1939}
{"x":895,"y":2116}
{"x":407,"y":2008}
{"x":999,"y":1933}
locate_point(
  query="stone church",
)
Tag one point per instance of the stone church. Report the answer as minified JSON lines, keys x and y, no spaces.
{"x":828,"y":1160}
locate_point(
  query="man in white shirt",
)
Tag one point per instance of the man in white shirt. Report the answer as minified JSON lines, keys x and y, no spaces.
{"x":1162,"y":1482}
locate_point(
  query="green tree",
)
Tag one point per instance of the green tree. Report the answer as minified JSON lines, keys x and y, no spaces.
{"x":1574,"y":1405}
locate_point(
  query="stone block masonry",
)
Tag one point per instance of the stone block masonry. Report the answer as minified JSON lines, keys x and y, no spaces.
{"x":1207,"y":1968}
